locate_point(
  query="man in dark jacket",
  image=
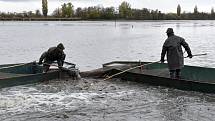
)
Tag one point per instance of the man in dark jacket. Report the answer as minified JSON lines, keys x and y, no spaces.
{"x":175,"y":58}
{"x":53,"y":54}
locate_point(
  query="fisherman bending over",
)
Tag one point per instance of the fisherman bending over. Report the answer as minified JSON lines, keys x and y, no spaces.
{"x":53,"y":54}
{"x":175,"y":58}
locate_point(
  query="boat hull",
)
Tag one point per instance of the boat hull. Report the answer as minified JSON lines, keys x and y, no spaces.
{"x":207,"y":85}
{"x":28,"y":79}
{"x":28,"y":73}
{"x":162,"y":81}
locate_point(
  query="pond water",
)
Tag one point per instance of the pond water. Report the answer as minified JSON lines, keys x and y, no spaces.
{"x":89,"y":44}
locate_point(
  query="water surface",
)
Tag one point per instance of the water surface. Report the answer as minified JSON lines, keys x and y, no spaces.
{"x":90,"y":44}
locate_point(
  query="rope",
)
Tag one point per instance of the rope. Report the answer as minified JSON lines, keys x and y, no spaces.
{"x":129,"y":70}
{"x":142,"y":66}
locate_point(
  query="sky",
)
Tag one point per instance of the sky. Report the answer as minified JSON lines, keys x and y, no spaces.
{"x":165,"y":6}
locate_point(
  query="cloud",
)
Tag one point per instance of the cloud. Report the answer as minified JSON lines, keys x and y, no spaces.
{"x":21,"y":0}
{"x":17,"y":0}
{"x":162,"y":5}
{"x":29,"y":0}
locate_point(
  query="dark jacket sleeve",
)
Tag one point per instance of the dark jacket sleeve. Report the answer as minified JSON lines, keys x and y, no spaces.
{"x":63,"y":56}
{"x":42,"y":57}
{"x":163,"y":53}
{"x":186,"y":46}
{"x":60,"y":61}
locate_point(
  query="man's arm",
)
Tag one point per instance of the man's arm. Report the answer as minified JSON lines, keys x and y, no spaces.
{"x":187,"y":48}
{"x":163,"y":53}
{"x":42,"y":57}
{"x":61,"y":60}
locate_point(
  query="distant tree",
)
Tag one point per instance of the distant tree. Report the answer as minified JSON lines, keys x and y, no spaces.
{"x":25,"y":14}
{"x":125,"y":10}
{"x":108,"y":13}
{"x":155,"y":14}
{"x":171,"y":16}
{"x":57,"y":12}
{"x":212,"y":15}
{"x":69,"y":10}
{"x":94,"y":12}
{"x":37,"y":13}
{"x":212,"y":10}
{"x":63,"y":9}
{"x":146,"y":14}
{"x":160,"y":15}
{"x":179,"y":10}
{"x":195,"y":10}
{"x":45,"y":7}
{"x":136,"y":14}
{"x":79,"y":12}
{"x":30,"y":13}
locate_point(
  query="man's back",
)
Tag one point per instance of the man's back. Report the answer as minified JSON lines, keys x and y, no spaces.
{"x":54,"y":53}
{"x":173,"y":45}
{"x":173,"y":41}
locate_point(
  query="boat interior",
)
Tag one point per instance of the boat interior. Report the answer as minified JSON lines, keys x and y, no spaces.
{"x":189,"y":73}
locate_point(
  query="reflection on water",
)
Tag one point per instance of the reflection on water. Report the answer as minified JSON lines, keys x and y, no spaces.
{"x":90,"y":44}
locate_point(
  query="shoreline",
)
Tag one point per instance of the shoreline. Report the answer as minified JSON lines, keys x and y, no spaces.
{"x":80,"y":19}
{"x":41,"y":19}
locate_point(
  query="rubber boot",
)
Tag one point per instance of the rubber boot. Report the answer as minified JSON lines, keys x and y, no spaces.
{"x":172,"y":74}
{"x":178,"y":74}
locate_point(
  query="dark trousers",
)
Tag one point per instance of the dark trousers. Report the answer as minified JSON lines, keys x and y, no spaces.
{"x":46,"y":68}
{"x":175,"y":74}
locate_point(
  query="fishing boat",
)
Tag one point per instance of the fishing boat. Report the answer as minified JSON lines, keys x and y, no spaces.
{"x":28,"y":73}
{"x":193,"y":78}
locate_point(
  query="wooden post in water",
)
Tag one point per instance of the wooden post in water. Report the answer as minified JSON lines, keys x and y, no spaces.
{"x":141,"y":67}
{"x":115,"y":13}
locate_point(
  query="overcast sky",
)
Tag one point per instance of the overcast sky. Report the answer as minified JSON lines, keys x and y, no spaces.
{"x":162,"y":5}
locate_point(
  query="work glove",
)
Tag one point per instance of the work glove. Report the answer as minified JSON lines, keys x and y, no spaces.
{"x":190,"y":55}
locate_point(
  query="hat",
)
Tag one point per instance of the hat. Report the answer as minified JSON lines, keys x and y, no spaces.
{"x":60,"y":46}
{"x":169,"y":31}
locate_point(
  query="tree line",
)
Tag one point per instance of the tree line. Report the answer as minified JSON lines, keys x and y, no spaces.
{"x":124,"y":11}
